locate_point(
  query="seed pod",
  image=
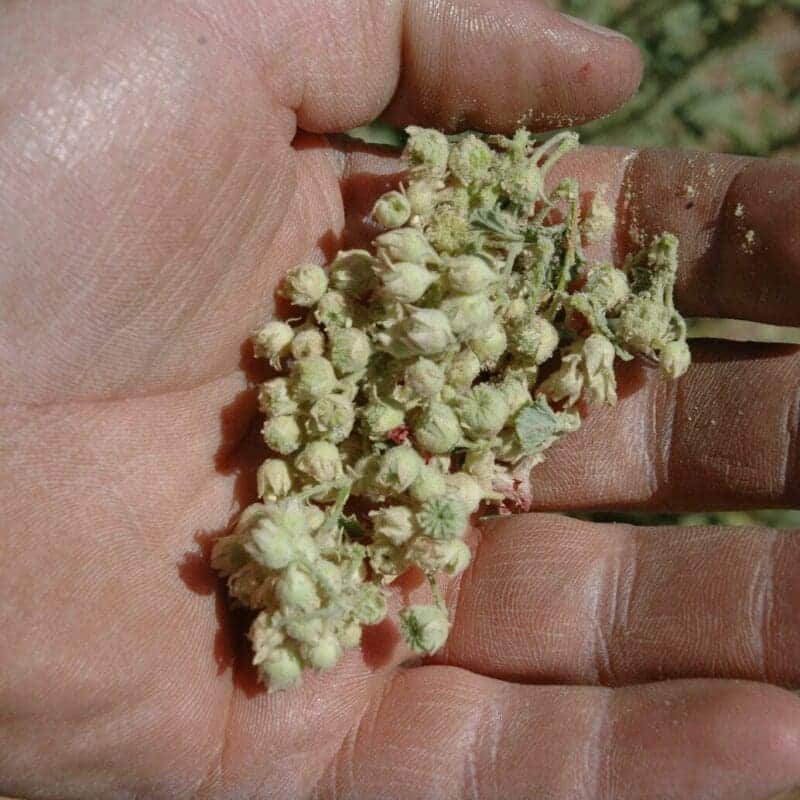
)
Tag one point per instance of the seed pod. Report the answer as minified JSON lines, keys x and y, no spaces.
{"x":282,"y":434}
{"x":305,"y":284}
{"x":272,"y":342}
{"x":425,"y":628}
{"x":675,"y":359}
{"x":273,"y":479}
{"x":312,"y":378}
{"x":392,"y":210}
{"x":424,"y":378}
{"x":469,"y":275}
{"x":349,"y":350}
{"x":308,"y":342}
{"x":437,"y":429}
{"x":426,"y":151}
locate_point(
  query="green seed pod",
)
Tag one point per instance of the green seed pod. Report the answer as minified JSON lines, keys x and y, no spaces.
{"x":282,"y":434}
{"x":312,"y":378}
{"x":643,"y":324}
{"x":598,"y":356}
{"x":321,"y":461}
{"x":424,"y":332}
{"x":514,"y":387}
{"x":470,"y":160}
{"x":422,"y":197}
{"x":349,"y":350}
{"x":305,"y":284}
{"x":265,"y":636}
{"x":395,"y":524}
{"x":424,"y":378}
{"x":467,"y":488}
{"x":425,"y":628}
{"x":331,"y":418}
{"x":272,"y":342}
{"x":522,"y":183}
{"x":308,"y":342}
{"x":328,"y":577}
{"x":444,"y":517}
{"x":274,"y":399}
{"x":607,"y":286}
{"x":305,"y":630}
{"x":398,"y":469}
{"x":334,"y":311}
{"x":469,"y":275}
{"x":566,"y":383}
{"x":406,"y":282}
{"x":534,"y":338}
{"x":283,"y":669}
{"x":490,"y":345}
{"x":380,"y":419}
{"x":392,"y":210}
{"x":468,"y":314}
{"x":385,"y":560}
{"x":352,"y":272}
{"x":429,"y":483}
{"x":436,"y":429}
{"x":369,"y":605}
{"x":675,"y":359}
{"x":463,"y":370}
{"x":405,"y":245}
{"x":274,"y":479}
{"x":323,"y":655}
{"x":296,"y":589}
{"x":483,"y":410}
{"x":426,"y":151}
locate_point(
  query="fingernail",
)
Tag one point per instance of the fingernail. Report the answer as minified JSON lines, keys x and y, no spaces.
{"x":598,"y":29}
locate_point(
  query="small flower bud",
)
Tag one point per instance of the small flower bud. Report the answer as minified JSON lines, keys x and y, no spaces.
{"x":468,"y":314}
{"x":296,"y":589}
{"x":312,"y":378}
{"x":308,"y":342}
{"x":465,"y":487}
{"x":334,"y":311}
{"x":444,"y":517}
{"x":349,"y":350}
{"x":325,"y":654}
{"x":429,"y":483}
{"x":274,"y":399}
{"x":469,"y":274}
{"x":490,"y":345}
{"x":398,"y":469}
{"x":305,"y":284}
{"x":459,"y":557}
{"x":274,"y":479}
{"x":483,"y":410}
{"x":393,"y":523}
{"x":328,"y":577}
{"x":282,"y":434}
{"x":424,"y":332}
{"x":426,"y":151}
{"x":392,"y":210}
{"x":534,"y":338}
{"x":331,"y":418}
{"x":352,"y":273}
{"x":470,"y":160}
{"x":607,"y":286}
{"x":425,"y":628}
{"x":464,"y":368}
{"x":380,"y":419}
{"x":406,"y":282}
{"x":437,"y":429}
{"x":424,"y":378}
{"x":321,"y":461}
{"x":272,"y":342}
{"x":675,"y":359}
{"x":406,"y":245}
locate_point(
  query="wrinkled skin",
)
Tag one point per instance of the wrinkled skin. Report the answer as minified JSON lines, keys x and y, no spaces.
{"x":161,"y":164}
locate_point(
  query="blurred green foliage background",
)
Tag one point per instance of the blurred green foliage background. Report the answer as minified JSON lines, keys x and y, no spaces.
{"x":720,"y":75}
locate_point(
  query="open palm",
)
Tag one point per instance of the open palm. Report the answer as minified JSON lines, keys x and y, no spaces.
{"x":161,"y":164}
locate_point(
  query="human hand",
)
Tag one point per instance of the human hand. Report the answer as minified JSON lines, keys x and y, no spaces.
{"x":153,"y":191}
